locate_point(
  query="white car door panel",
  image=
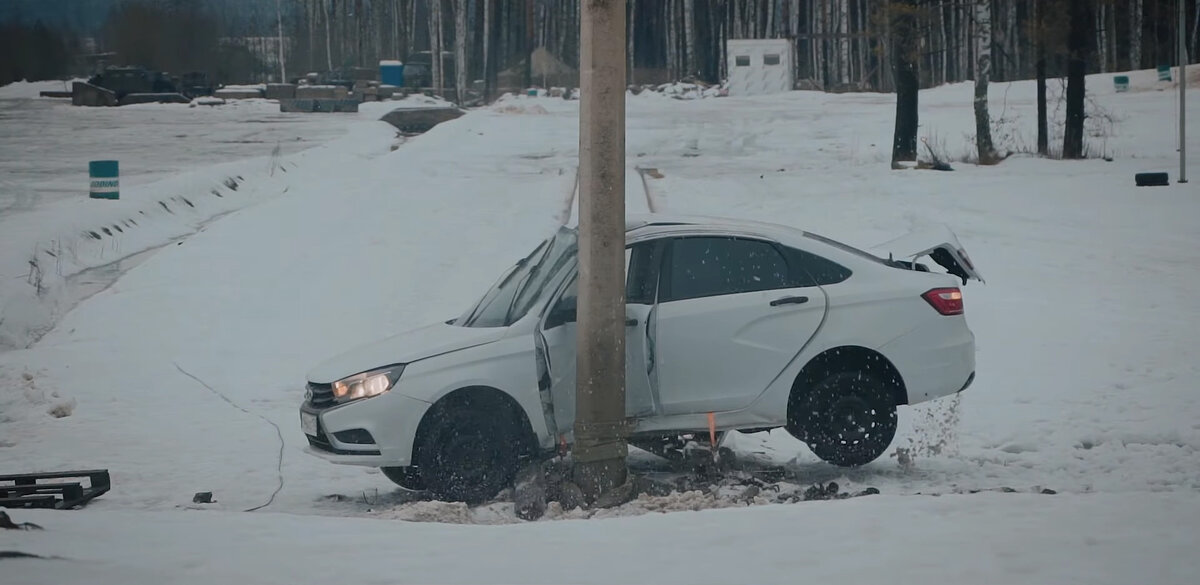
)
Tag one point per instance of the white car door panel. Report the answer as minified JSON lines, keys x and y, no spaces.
{"x":559,"y":341}
{"x":716,"y":354}
{"x":730,"y":317}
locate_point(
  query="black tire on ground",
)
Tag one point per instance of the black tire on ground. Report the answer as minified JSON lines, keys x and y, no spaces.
{"x":847,"y":419}
{"x":408,"y":478}
{"x":469,"y":455}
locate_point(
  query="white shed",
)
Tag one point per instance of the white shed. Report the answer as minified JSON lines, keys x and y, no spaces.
{"x":760,"y":66}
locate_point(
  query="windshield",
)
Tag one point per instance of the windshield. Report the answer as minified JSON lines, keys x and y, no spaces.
{"x":520,"y":287}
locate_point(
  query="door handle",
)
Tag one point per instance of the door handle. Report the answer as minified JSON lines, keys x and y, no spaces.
{"x":789,"y":301}
{"x":631,"y":322}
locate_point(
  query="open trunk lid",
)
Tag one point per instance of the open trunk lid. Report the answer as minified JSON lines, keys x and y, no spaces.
{"x":939,"y":243}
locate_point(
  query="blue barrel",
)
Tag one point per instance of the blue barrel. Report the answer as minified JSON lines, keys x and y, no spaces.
{"x":104,"y":177}
{"x":391,"y":73}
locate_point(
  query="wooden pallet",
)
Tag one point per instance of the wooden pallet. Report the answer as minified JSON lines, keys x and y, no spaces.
{"x":30,"y":490}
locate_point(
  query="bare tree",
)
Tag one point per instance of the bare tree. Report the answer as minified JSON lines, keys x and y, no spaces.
{"x":1043,"y":130}
{"x":983,"y":70}
{"x":279,"y":22}
{"x":629,"y":42}
{"x":1135,"y":34}
{"x":460,"y":50}
{"x":436,"y":45}
{"x":689,"y":36}
{"x":904,"y":32}
{"x":329,"y":10}
{"x":1078,"y":49}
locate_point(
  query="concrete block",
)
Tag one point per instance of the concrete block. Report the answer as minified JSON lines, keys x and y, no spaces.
{"x":309,"y":106}
{"x":238,"y":94}
{"x":280,"y":91}
{"x":314,"y":92}
{"x":86,"y":94}
{"x":153,"y":98}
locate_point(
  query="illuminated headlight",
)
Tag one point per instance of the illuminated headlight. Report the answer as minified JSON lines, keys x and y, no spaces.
{"x":366,"y":384}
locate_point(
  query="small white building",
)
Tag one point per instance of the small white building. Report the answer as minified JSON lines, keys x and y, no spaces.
{"x":760,"y":66}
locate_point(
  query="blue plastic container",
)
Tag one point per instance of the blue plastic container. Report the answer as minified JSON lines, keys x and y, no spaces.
{"x":391,"y":73}
{"x":105,"y":183}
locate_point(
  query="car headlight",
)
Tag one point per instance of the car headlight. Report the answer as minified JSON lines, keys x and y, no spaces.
{"x":366,"y":384}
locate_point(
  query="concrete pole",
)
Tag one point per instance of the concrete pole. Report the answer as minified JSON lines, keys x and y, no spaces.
{"x":1183,"y":59}
{"x":600,"y":431}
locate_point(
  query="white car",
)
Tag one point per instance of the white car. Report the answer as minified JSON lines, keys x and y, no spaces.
{"x":759,"y":326}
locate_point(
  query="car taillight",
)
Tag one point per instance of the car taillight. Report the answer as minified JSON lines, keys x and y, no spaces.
{"x":947,"y":301}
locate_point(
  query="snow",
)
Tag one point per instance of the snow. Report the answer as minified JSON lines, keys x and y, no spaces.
{"x":33,"y":89}
{"x":1096,"y":539}
{"x":1084,"y":329}
{"x":168,"y":153}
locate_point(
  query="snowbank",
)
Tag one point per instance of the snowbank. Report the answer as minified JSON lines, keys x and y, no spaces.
{"x":32,"y":89}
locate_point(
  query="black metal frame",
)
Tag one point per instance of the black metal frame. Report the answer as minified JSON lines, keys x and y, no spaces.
{"x":28,"y":490}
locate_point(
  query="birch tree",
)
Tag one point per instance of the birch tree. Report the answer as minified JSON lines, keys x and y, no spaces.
{"x":435,"y":44}
{"x":460,"y":50}
{"x":1135,"y":34}
{"x":689,"y":37}
{"x":983,"y":69}
{"x":329,"y":11}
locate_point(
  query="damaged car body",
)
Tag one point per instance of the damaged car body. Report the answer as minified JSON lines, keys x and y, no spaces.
{"x":751,"y":326}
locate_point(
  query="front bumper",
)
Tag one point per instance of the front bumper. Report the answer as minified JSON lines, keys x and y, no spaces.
{"x":374,"y":432}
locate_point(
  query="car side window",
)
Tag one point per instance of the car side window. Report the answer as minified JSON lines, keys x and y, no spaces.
{"x":642,"y":262}
{"x":808,"y":269}
{"x":705,"y":266}
{"x":641,"y":282}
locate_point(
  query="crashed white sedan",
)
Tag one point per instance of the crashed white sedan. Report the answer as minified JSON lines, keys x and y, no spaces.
{"x":751,"y":326}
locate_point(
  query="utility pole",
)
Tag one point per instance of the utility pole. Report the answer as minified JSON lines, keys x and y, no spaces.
{"x":600,"y":431}
{"x":1183,"y":60}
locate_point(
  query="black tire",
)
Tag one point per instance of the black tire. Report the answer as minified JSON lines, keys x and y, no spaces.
{"x":847,"y":419}
{"x":408,"y":478}
{"x":469,"y":455}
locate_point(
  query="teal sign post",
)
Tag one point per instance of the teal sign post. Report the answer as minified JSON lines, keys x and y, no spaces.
{"x":104,"y":177}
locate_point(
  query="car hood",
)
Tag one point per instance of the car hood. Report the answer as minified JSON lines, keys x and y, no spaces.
{"x":405,"y":348}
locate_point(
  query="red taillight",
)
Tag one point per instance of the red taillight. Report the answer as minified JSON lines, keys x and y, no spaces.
{"x":947,"y":301}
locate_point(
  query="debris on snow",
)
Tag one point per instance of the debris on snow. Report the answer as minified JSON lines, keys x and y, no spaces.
{"x":7,"y":523}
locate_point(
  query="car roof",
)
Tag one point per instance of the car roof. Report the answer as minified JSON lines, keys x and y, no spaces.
{"x":638,"y":221}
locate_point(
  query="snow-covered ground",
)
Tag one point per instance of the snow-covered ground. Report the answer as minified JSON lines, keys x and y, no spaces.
{"x":177,"y":165}
{"x":1085,"y":331}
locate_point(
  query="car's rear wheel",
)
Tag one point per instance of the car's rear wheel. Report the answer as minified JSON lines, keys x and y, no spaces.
{"x":469,"y":455}
{"x":847,"y":419}
{"x":408,"y":478}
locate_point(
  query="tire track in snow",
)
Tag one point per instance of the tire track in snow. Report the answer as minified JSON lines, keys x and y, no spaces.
{"x":637,"y":200}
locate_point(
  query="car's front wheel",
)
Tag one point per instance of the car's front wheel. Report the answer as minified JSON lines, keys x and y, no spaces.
{"x":847,"y":419}
{"x":469,"y":455}
{"x":408,"y":478}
